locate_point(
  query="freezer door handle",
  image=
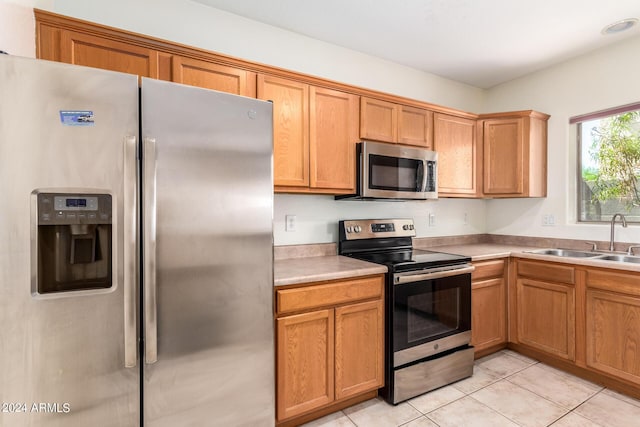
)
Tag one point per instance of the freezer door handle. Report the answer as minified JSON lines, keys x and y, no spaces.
{"x":149,"y":250}
{"x":130,"y":251}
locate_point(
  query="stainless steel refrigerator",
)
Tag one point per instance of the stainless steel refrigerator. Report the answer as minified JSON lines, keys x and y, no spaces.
{"x":135,"y":251}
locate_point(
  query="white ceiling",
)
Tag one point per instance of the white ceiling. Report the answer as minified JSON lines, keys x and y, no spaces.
{"x":479,"y":42}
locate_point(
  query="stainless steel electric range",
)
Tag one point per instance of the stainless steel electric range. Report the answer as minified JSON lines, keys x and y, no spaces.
{"x":428,"y":306}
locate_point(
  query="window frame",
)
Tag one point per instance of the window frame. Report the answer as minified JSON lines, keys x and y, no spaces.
{"x":578,"y":121}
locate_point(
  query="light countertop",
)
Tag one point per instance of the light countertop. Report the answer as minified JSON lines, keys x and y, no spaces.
{"x":320,"y":268}
{"x":484,"y":251}
{"x":314,"y":269}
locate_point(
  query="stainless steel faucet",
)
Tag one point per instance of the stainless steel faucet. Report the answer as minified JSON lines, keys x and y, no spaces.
{"x":613,"y":223}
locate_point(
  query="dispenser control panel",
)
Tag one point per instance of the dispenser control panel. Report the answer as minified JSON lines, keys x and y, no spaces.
{"x":68,"y":209}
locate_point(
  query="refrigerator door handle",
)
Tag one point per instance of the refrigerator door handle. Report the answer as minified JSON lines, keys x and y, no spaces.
{"x":149,"y":251}
{"x":130,"y":251}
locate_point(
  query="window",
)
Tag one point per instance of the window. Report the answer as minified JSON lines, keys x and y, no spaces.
{"x":609,"y":164}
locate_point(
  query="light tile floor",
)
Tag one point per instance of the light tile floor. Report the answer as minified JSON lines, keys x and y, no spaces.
{"x":506,"y":389}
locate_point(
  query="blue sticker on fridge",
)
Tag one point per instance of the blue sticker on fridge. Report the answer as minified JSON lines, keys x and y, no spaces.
{"x":76,"y":118}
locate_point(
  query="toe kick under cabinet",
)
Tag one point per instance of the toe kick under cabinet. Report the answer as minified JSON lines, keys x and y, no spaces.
{"x":329,"y":346}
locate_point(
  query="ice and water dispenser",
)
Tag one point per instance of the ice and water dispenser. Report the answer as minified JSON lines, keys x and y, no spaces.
{"x":74,"y":242}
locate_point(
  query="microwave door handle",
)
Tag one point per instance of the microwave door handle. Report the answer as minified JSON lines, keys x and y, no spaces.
{"x":420,"y":177}
{"x":424,"y":175}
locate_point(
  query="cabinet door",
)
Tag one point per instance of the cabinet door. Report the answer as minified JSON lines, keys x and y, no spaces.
{"x":333,"y":137}
{"x":503,"y":156}
{"x":378,"y":120}
{"x":488,"y":313}
{"x":97,"y":52}
{"x":214,"y":76}
{"x":613,"y":334}
{"x":415,"y":126}
{"x":546,"y":317}
{"x":304,"y":362}
{"x":455,"y":141}
{"x":359,"y":348}
{"x":290,"y":129}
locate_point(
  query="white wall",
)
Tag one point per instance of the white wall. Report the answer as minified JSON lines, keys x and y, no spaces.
{"x":602,"y":79}
{"x":317,"y":216}
{"x":17,"y":29}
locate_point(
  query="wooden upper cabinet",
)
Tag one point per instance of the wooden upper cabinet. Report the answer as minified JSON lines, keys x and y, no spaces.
{"x":378,"y":120}
{"x":515,"y":154}
{"x":93,"y":51}
{"x":455,"y":142}
{"x":209,"y":75}
{"x":290,"y":129}
{"x":503,"y":156}
{"x":389,"y":122}
{"x":333,"y":137}
{"x":415,"y":126}
{"x":314,"y":135}
{"x":313,"y":152}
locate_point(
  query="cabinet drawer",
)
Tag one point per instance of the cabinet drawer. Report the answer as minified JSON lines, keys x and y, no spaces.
{"x":547,"y":271}
{"x":615,"y":282}
{"x":328,"y":294}
{"x":488,"y":269}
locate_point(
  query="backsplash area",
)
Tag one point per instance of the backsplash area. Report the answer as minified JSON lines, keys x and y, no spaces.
{"x":316,"y":217}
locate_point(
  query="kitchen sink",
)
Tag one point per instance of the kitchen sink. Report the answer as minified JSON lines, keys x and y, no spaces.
{"x":620,"y":258}
{"x":586,"y":254}
{"x":565,"y":253}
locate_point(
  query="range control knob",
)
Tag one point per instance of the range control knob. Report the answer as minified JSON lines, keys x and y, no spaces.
{"x":405,"y":227}
{"x":411,"y":227}
{"x":358,"y":229}
{"x":349,"y":229}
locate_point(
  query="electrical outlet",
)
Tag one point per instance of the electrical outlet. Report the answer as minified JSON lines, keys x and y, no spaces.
{"x":548,"y":220}
{"x":432,"y":220}
{"x":289,"y":223}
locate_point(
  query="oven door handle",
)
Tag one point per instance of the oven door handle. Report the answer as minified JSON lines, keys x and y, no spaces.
{"x":400,"y":279}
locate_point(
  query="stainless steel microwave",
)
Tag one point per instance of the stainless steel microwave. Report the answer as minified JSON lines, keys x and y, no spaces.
{"x":391,"y":171}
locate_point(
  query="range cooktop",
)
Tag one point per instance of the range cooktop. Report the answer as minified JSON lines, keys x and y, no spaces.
{"x":388,"y":242}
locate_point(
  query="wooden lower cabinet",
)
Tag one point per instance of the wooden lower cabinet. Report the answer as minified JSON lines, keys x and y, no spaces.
{"x":358,"y":348}
{"x":546,"y":317}
{"x":544,"y":307}
{"x":329,"y":345}
{"x":613,"y":324}
{"x":488,"y":306}
{"x":305,"y":362}
{"x":582,"y":319}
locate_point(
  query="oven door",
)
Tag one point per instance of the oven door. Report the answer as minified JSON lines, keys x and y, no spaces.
{"x":431,"y":312}
{"x":394,"y":171}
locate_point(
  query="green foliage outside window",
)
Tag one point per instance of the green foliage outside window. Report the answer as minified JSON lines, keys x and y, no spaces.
{"x":611,"y":179}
